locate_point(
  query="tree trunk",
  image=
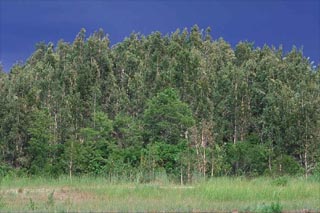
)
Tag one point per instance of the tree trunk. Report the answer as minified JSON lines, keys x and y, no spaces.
{"x":94,"y":109}
{"x":212,"y":164}
{"x":198,"y":157}
{"x":181,"y":175}
{"x":189,"y":173}
{"x":306,"y":165}
{"x":204,"y":163}
{"x":269,"y":159}
{"x":235,"y":133}
{"x":243,"y":122}
{"x":71,"y":161}
{"x":55,"y":130}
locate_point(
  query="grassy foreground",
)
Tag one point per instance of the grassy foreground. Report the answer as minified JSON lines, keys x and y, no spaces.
{"x":218,"y":194}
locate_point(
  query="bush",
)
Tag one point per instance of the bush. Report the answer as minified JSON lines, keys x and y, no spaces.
{"x":286,"y":165}
{"x":316,"y":173}
{"x":4,"y":169}
{"x":248,"y":158}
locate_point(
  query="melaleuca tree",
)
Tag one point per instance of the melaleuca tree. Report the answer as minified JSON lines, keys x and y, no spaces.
{"x":16,"y":119}
{"x":96,"y":145}
{"x":84,"y":77}
{"x":127,"y":132}
{"x":186,"y":70}
{"x":245,"y":64}
{"x":264,"y":107}
{"x":62,"y":88}
{"x":41,"y":148}
{"x":219,"y":68}
{"x":156,"y":63}
{"x":303,"y":146}
{"x":167,"y":118}
{"x":3,"y":145}
{"x":98,"y":56}
{"x":130,"y":62}
{"x":136,"y":95}
{"x":166,"y":121}
{"x":308,"y":117}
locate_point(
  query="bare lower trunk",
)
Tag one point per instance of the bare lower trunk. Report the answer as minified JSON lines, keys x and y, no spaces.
{"x":212,"y":164}
{"x":306,"y":164}
{"x":235,"y":136}
{"x":153,"y":170}
{"x":189,"y":174}
{"x":203,"y":144}
{"x":71,"y":162}
{"x":306,"y":161}
{"x":270,"y":159}
{"x":55,"y":130}
{"x":235,"y":133}
{"x":269,"y":163}
{"x":70,"y":169}
{"x":204,"y":163}
{"x":198,"y":158}
{"x":94,"y":110}
{"x":181,"y":176}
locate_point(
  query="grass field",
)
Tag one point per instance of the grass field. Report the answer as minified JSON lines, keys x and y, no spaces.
{"x":218,"y":194}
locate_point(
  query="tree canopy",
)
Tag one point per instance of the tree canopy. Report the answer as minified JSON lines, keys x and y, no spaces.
{"x":182,"y":103}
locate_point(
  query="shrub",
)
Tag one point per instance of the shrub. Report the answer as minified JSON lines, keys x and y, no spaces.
{"x":286,"y":165}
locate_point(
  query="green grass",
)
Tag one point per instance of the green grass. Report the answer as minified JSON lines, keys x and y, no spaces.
{"x":218,"y":194}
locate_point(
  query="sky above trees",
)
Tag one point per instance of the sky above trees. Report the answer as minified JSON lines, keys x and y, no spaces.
{"x":24,"y":23}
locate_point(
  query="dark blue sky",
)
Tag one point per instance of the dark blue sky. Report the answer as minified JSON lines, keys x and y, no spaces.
{"x":24,"y":23}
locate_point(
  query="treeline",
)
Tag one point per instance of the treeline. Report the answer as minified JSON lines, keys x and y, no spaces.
{"x":182,"y":104}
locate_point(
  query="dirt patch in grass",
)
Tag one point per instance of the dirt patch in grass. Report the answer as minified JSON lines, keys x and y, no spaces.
{"x":12,"y":196}
{"x":75,"y":195}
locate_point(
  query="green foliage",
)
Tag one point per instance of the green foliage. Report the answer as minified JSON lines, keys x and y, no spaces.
{"x":4,"y":170}
{"x":248,"y":157}
{"x":286,"y":165}
{"x":41,"y":147}
{"x":166,"y":121}
{"x":316,"y":173}
{"x":96,"y":145}
{"x":167,"y":156}
{"x":182,"y":104}
{"x":167,"y":118}
{"x":127,"y":132}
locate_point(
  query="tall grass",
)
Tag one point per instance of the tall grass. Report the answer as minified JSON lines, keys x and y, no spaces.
{"x":103,"y":194}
